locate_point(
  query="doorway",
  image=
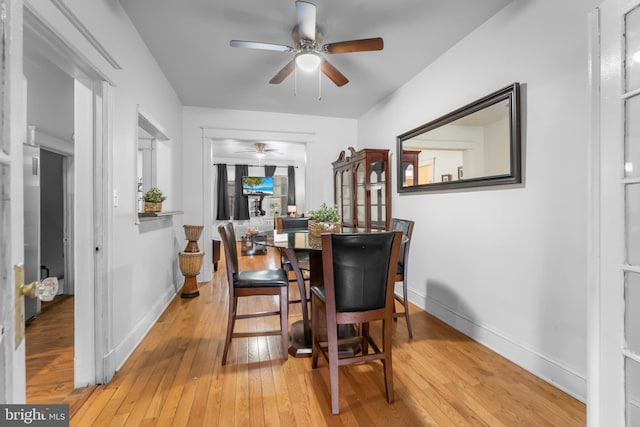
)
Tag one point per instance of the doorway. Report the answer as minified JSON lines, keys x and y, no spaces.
{"x":84,"y":145}
{"x":48,"y":159}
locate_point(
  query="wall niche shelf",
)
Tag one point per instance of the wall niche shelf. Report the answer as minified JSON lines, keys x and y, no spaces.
{"x":155,"y":215}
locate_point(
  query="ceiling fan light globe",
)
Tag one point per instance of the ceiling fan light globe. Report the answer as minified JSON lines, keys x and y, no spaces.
{"x":307,"y":61}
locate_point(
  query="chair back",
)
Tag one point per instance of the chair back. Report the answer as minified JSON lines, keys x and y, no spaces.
{"x":228,"y":236}
{"x":406,"y":226}
{"x":287,"y":222}
{"x":359,"y":269}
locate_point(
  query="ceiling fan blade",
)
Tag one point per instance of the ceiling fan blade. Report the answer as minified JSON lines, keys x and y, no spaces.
{"x":332,"y":72}
{"x":283,"y":73}
{"x":306,"y":20}
{"x":362,"y":45}
{"x":260,"y":45}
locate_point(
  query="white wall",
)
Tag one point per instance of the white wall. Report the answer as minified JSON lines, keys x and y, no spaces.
{"x":143,"y":258}
{"x":49,"y":98}
{"x":507,"y":266}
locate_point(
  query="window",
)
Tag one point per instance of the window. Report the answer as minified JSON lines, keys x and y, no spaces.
{"x":274,"y":205}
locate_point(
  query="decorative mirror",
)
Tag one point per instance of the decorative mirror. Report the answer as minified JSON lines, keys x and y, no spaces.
{"x":474,"y":146}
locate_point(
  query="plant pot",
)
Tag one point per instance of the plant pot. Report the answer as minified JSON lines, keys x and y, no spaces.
{"x":152,"y":207}
{"x":317,"y":228}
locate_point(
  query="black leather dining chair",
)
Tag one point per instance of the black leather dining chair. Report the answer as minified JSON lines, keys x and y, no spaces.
{"x":359,"y":273}
{"x":250,"y":283}
{"x":291,"y":223}
{"x":406,"y":226}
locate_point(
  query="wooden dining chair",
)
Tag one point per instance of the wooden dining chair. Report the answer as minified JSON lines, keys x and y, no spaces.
{"x":406,"y":226}
{"x":359,"y":272}
{"x":302,"y":256}
{"x":250,"y":283}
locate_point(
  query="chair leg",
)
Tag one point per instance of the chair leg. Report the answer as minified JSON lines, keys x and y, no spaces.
{"x":315,"y":348}
{"x":406,"y":306}
{"x":284,"y":317}
{"x":333,"y":371}
{"x":230,"y":325}
{"x":387,"y":362}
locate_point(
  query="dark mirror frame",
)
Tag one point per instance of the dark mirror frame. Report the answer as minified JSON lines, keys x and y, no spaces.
{"x":510,"y":93}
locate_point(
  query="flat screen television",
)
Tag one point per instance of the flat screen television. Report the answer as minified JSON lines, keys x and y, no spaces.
{"x":257,"y":185}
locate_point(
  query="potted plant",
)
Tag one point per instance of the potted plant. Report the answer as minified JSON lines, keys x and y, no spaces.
{"x":153,"y":199}
{"x":324,"y":220}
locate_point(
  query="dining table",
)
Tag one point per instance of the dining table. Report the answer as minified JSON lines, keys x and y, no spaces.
{"x":290,"y":241}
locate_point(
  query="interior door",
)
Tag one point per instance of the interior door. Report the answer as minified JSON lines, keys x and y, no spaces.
{"x":12,"y":369}
{"x":614,"y":377}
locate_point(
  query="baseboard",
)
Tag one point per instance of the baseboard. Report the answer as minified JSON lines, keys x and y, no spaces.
{"x":539,"y":364}
{"x":122,"y":351}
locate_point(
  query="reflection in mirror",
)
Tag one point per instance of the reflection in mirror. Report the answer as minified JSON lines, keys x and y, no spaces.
{"x":477,"y":145}
{"x":150,"y":133}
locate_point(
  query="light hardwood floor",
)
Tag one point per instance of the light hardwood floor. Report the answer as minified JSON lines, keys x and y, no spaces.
{"x":441,"y":378}
{"x":49,"y":356}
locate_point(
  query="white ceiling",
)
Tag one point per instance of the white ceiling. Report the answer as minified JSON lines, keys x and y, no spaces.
{"x":190,"y":41}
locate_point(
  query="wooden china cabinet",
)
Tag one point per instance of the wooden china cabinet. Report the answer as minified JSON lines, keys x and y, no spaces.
{"x":362,"y":190}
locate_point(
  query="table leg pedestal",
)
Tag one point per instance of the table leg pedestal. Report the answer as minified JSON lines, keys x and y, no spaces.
{"x":299,"y":336}
{"x":298,"y":345}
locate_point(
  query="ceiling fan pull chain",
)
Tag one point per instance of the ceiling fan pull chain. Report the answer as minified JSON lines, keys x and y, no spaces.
{"x":319,"y":84}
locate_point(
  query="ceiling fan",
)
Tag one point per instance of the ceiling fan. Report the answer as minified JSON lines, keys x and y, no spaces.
{"x":259,"y":148}
{"x":308,"y":47}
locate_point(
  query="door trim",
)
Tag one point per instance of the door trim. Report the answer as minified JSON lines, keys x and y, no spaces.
{"x":593,"y":221}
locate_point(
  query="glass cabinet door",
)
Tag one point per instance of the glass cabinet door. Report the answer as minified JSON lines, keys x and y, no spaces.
{"x":337,"y":191}
{"x":347,"y":217}
{"x":378,"y":185}
{"x":361,"y":194}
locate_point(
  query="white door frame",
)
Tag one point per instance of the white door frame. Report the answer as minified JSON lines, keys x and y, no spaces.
{"x":593,"y":240}
{"x":211,"y":133}
{"x":608,"y":269}
{"x":12,"y":379}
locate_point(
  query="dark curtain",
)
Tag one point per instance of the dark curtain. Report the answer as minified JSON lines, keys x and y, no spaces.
{"x":223,"y":195}
{"x":291,"y":177}
{"x":269,"y":171}
{"x":241,"y":202}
